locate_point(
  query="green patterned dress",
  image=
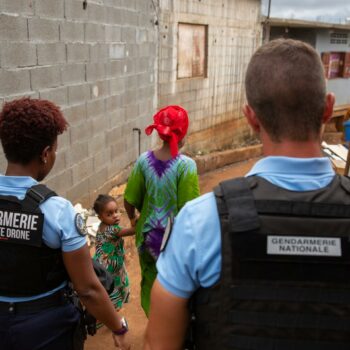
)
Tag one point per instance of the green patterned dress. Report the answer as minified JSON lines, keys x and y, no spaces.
{"x":157,"y":189}
{"x":110,"y":253}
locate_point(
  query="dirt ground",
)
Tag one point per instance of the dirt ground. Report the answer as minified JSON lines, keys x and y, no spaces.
{"x":132,"y":311}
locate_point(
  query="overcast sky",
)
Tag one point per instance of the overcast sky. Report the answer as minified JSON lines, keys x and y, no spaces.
{"x":309,"y":9}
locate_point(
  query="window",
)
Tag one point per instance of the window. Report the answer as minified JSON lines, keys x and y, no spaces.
{"x":192,"y":51}
{"x":336,"y":64}
{"x":339,"y":38}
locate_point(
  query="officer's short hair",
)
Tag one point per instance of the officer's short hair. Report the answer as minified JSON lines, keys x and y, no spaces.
{"x":286,"y":88}
{"x":27,"y":126}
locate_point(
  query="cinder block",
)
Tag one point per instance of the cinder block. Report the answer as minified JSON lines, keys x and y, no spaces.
{"x":45,"y":77}
{"x":60,"y":182}
{"x":71,"y":32}
{"x":78,"y":151}
{"x":49,"y":8}
{"x":99,"y":52}
{"x":131,"y":4}
{"x":99,"y":89}
{"x":94,"y":32}
{"x":147,"y":92}
{"x":77,"y":192}
{"x":113,"y":15}
{"x":77,"y":52}
{"x":115,"y":102}
{"x":141,"y":35}
{"x":144,"y":79}
{"x":117,"y":85}
{"x":13,"y":28}
{"x":23,"y":7}
{"x":128,"y":35}
{"x":97,"y":180}
{"x":97,"y":13}
{"x":51,"y":53}
{"x":75,"y":114}
{"x":113,"y":33}
{"x":73,"y":73}
{"x":131,"y":50}
{"x":82,"y":170}
{"x":60,"y":162}
{"x":57,"y":95}
{"x":78,"y":94}
{"x":31,"y":94}
{"x":17,"y":54}
{"x":81,"y":132}
{"x":64,"y":139}
{"x":74,"y":10}
{"x":132,"y":111}
{"x":115,"y":68}
{"x":101,"y":159}
{"x":132,"y":82}
{"x":116,"y":51}
{"x":95,"y":71}
{"x":44,"y":30}
{"x":99,"y":124}
{"x":14,"y":81}
{"x":130,"y":17}
{"x":112,"y":135}
{"x":95,"y":108}
{"x":97,"y":143}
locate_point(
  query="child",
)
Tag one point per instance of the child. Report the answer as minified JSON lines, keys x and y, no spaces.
{"x":110,"y":247}
{"x":160,"y":184}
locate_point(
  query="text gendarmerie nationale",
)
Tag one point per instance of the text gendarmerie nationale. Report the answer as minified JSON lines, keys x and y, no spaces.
{"x":17,"y":225}
{"x":304,"y":244}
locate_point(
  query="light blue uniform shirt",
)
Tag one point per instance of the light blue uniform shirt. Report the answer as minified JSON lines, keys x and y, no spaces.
{"x":59,"y":229}
{"x":192,"y":257}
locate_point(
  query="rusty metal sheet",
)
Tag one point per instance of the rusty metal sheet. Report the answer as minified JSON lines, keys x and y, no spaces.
{"x":192,"y":50}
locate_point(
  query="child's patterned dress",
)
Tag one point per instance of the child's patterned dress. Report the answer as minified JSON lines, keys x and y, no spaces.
{"x":110,"y":253}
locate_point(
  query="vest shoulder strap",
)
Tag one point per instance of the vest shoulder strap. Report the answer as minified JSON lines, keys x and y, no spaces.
{"x":235,"y":198}
{"x":36,"y":195}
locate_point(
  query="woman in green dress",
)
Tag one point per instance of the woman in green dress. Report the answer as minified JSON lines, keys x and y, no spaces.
{"x":160,"y":184}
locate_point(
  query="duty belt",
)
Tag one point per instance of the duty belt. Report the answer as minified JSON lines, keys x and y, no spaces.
{"x":58,"y":298}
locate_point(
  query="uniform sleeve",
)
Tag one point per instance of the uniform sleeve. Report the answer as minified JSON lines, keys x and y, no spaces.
{"x":135,"y":188}
{"x":59,"y":225}
{"x":192,"y":255}
{"x":188,"y":187}
{"x":71,"y":239}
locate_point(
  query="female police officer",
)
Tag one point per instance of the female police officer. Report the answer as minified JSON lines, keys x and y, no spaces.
{"x":40,"y":242}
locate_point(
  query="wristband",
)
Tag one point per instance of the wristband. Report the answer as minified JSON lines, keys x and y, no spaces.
{"x":124,"y":328}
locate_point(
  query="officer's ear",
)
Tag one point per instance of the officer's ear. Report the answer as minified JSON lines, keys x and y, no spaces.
{"x":45,"y":154}
{"x":252,"y":119}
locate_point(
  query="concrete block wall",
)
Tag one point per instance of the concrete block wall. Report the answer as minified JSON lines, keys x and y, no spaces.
{"x":98,"y":64}
{"x":214,"y":102}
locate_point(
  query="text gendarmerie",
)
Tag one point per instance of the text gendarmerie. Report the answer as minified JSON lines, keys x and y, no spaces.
{"x":299,"y":245}
{"x":17,"y":225}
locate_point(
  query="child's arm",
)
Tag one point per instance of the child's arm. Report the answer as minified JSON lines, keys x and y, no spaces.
{"x":129,"y":231}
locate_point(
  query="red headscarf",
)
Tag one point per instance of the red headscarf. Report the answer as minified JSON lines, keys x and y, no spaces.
{"x":171,"y":123}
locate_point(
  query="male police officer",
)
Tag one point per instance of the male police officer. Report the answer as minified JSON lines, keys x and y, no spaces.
{"x":265,"y":259}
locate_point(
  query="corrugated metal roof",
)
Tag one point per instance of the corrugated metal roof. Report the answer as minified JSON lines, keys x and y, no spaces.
{"x":298,"y":23}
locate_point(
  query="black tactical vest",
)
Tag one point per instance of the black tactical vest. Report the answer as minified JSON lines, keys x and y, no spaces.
{"x":285,"y":278}
{"x":27,"y":266}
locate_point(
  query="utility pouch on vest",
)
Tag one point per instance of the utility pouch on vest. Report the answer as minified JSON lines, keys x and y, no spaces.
{"x":285,"y":262}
